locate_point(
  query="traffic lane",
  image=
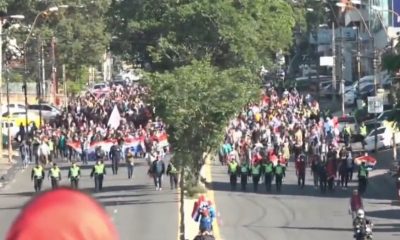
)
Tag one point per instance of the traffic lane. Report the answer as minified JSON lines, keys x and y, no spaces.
{"x":296,"y":213}
{"x":134,"y":205}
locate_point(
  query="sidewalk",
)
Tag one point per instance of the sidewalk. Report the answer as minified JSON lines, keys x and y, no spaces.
{"x":5,"y":166}
{"x":192,"y":227}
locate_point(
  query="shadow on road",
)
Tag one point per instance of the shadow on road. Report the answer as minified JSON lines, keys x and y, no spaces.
{"x":121,"y":196}
{"x":319,"y":228}
{"x":135,"y":202}
{"x":388,"y":227}
{"x":117,"y":188}
{"x":387,"y":214}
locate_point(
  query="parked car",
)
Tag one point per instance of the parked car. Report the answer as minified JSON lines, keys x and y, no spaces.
{"x":384,"y":139}
{"x":389,"y":115}
{"x":100,"y":88}
{"x":48,"y":111}
{"x":13,"y":107}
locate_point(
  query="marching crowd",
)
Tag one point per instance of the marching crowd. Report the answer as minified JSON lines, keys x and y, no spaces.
{"x":84,"y":130}
{"x":266,"y":136}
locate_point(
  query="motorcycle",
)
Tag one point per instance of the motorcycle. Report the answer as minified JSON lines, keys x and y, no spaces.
{"x":365,"y":233}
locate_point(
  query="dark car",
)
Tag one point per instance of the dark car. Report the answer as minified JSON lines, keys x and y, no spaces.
{"x":122,"y":83}
{"x":366,"y":92}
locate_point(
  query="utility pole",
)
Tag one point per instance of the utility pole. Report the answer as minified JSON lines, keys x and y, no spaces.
{"x":358,"y":58}
{"x":375,"y":65}
{"x":341,"y":70}
{"x":1,"y":84}
{"x":9,"y":114}
{"x":39,"y":85}
{"x":334,"y":59}
{"x":64,"y":79}
{"x":25,"y":88}
{"x":53,"y":70}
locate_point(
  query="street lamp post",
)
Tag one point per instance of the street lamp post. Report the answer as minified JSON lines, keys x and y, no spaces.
{"x":51,"y":9}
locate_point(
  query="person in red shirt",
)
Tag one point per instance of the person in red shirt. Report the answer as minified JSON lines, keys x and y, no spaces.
{"x":355,"y":203}
{"x":331,"y":170}
{"x":301,"y":170}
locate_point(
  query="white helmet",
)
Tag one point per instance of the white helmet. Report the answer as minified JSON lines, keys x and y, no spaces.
{"x":360,"y":213}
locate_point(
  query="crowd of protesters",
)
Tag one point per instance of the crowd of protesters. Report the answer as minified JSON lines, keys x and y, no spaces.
{"x":287,"y":126}
{"x":86,"y":120}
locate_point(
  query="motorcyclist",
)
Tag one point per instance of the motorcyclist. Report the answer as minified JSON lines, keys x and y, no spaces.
{"x":361,"y":225}
{"x":356,"y":203}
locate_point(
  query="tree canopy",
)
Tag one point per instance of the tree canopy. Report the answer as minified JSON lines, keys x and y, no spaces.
{"x":168,"y":34}
{"x":80,"y":31}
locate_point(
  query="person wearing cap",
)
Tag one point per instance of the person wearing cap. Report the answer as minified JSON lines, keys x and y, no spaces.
{"x":61,"y":214}
{"x":362,"y":178}
{"x":279,"y":175}
{"x":74,"y":174}
{"x":37,"y":176}
{"x":54,"y":175}
{"x":244,"y":174}
{"x":98,"y":172}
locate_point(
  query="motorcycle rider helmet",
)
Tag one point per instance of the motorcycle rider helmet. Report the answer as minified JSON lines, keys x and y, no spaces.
{"x":360,"y":213}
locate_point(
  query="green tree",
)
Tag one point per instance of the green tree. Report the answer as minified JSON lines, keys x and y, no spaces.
{"x":168,"y":34}
{"x":80,"y":32}
{"x":197,"y":101}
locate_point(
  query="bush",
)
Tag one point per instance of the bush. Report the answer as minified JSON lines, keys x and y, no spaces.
{"x":193,"y":191}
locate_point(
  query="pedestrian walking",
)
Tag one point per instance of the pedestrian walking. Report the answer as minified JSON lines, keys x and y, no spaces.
{"x":74,"y":174}
{"x":37,"y":176}
{"x":301,"y":170}
{"x":244,"y":174}
{"x":362,"y":178}
{"x":115,"y":156}
{"x":172,"y":172}
{"x":323,"y":177}
{"x":279,"y":175}
{"x":233,"y":173}
{"x":130,"y":164}
{"x":315,"y":165}
{"x":256,"y":174}
{"x":54,"y":175}
{"x":98,"y":172}
{"x":268,"y":170}
{"x":158,"y":169}
{"x":25,"y":155}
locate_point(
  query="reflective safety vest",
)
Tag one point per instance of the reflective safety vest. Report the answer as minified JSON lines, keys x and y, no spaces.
{"x":55,"y":172}
{"x":347,"y":130}
{"x":363,"y":171}
{"x":255,"y":170}
{"x":38,"y":172}
{"x":173,"y":170}
{"x":99,"y":169}
{"x":363,"y":130}
{"x":278,"y":170}
{"x":74,"y":171}
{"x":268,"y":168}
{"x":244,"y":168}
{"x":233,"y":167}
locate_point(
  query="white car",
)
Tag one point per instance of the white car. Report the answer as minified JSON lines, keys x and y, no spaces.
{"x":384,"y":136}
{"x":100,"y":88}
{"x":14,"y":107}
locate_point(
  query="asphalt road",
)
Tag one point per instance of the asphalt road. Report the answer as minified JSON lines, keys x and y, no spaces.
{"x":138,"y":211}
{"x":304,"y":214}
